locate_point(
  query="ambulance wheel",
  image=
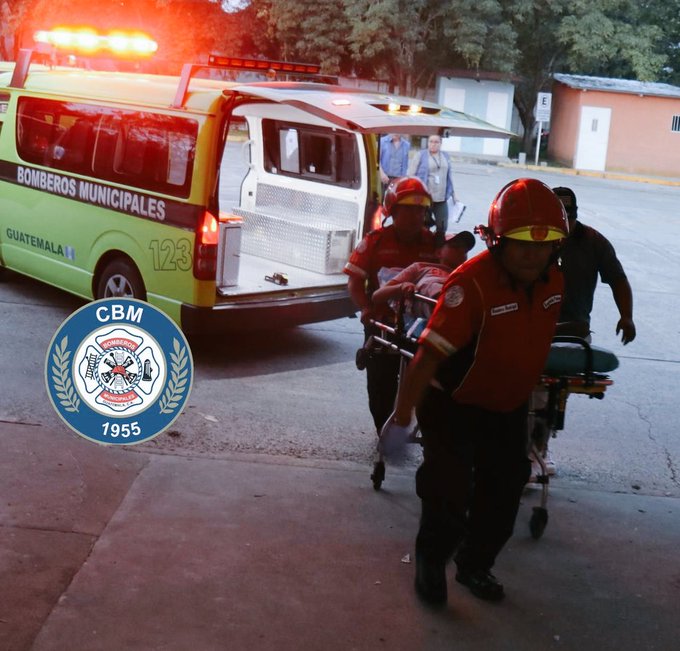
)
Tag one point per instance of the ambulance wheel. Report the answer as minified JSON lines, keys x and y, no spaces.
{"x":538,"y":522}
{"x":378,"y":474}
{"x":120,"y":279}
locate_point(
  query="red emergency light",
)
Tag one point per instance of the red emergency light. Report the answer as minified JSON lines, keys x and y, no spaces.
{"x":240,"y":63}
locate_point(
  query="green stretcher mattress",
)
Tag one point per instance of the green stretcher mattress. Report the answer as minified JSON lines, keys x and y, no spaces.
{"x":571,"y":358}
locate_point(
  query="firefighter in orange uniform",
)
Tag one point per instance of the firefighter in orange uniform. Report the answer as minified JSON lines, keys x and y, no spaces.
{"x":403,"y":242}
{"x":477,"y":363}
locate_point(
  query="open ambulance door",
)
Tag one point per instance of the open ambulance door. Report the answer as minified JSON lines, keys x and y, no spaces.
{"x":311,"y":185}
{"x":284,"y":116}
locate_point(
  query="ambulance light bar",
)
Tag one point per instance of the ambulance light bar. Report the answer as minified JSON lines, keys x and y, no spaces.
{"x":271,"y":68}
{"x":87,"y":41}
{"x":240,"y":63}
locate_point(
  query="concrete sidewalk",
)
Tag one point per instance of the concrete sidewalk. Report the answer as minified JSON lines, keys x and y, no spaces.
{"x":612,"y":176}
{"x":110,"y":549}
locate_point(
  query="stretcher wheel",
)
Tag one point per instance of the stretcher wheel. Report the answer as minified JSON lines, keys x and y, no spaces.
{"x":378,"y":474}
{"x":538,"y":522}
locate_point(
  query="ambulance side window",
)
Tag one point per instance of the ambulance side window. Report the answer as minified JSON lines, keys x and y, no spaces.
{"x":318,"y":154}
{"x":35,"y":126}
{"x":145,"y":150}
{"x":314,"y":153}
{"x":149,"y":151}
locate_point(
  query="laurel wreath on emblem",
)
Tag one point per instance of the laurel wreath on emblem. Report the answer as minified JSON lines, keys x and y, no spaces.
{"x":60,"y":377}
{"x":178,"y":379}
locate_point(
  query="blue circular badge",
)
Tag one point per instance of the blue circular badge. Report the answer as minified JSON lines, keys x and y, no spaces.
{"x":119,"y":371}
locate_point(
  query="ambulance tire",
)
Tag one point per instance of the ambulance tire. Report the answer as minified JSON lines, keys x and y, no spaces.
{"x":120,"y":279}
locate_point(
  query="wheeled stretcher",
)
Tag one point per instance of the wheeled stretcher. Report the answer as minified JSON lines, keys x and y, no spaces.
{"x":573,"y":367}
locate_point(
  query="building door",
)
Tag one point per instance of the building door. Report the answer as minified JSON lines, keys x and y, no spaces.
{"x":593,"y":138}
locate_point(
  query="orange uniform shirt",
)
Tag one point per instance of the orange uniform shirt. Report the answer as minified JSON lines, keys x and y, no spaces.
{"x":381,"y":248}
{"x":495,"y":334}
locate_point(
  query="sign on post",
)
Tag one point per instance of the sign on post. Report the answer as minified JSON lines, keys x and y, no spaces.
{"x":543,"y":104}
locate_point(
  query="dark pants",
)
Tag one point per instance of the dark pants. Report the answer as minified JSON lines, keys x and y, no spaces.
{"x":474,"y":469}
{"x":382,"y":378}
{"x":382,"y":381}
{"x":440,"y":214}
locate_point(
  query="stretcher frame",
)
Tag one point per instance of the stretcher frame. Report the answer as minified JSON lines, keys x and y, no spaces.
{"x":547,"y":420}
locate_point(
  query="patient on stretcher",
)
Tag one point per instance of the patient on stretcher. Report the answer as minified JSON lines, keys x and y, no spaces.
{"x":425,"y":278}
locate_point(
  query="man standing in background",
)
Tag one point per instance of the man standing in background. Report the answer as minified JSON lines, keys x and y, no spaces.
{"x":393,"y":157}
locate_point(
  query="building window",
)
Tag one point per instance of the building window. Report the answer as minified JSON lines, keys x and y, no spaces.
{"x":675,"y":124}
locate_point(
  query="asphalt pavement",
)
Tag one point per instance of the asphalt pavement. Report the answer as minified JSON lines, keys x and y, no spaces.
{"x":109,"y":548}
{"x":142,"y":549}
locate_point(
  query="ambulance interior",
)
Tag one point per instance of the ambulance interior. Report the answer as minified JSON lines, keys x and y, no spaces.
{"x":293,"y":191}
{"x":294,"y":200}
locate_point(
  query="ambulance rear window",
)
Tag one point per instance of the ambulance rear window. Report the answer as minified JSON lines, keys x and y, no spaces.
{"x":136,"y":148}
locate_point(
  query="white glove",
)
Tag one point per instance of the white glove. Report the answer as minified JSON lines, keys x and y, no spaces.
{"x":393,"y":439}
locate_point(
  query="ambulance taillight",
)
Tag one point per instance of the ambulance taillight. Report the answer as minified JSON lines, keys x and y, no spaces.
{"x":205,"y":249}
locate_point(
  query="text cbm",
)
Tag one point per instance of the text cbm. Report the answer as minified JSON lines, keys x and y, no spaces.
{"x":117,"y":312}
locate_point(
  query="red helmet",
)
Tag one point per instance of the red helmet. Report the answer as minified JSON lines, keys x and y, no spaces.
{"x":526,"y":209}
{"x":408,"y":190}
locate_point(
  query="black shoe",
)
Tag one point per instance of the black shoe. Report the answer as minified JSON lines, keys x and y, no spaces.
{"x":482,"y":584}
{"x":431,"y":580}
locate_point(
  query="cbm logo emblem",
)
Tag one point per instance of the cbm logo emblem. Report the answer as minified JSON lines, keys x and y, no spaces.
{"x":119,"y":371}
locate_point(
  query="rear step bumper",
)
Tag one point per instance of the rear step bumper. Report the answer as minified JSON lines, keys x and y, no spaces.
{"x":267,"y":313}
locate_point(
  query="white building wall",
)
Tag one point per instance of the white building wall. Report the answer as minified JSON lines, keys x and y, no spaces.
{"x":485,"y":99}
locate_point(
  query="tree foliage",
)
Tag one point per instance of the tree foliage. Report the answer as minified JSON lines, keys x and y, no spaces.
{"x":393,"y":37}
{"x":405,"y":42}
{"x":307,"y":30}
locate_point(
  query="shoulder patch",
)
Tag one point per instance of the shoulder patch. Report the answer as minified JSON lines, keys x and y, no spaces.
{"x":504,"y":309}
{"x":551,"y":300}
{"x":454,"y":296}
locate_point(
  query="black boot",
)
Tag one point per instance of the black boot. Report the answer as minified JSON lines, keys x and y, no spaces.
{"x":481,"y":583}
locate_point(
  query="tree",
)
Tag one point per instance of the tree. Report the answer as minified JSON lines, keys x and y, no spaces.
{"x":578,"y":36}
{"x":12,"y":14}
{"x":665,"y":14}
{"x":403,"y":41}
{"x":311,"y":31}
{"x":387,"y":36}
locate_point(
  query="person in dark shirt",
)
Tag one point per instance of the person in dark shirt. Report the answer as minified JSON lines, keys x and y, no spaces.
{"x":585,"y":254}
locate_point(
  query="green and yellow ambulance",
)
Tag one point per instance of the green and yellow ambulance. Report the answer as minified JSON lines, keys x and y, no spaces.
{"x":228,"y":205}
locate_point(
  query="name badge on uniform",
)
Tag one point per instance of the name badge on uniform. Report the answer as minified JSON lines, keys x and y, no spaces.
{"x":436,"y":179}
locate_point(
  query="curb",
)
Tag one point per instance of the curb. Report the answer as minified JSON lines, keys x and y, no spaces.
{"x":613,"y":176}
